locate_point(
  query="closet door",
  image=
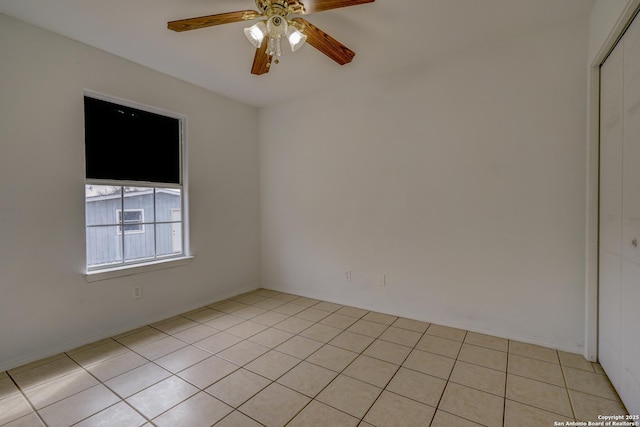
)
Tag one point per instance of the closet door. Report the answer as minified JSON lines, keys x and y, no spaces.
{"x":630,"y":387}
{"x":610,"y":280}
{"x":619,"y":281}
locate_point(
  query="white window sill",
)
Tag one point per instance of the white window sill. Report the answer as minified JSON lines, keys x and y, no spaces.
{"x":129,"y":270}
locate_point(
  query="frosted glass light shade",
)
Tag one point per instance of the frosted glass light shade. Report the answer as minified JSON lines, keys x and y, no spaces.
{"x":296,"y":38}
{"x":255,"y":33}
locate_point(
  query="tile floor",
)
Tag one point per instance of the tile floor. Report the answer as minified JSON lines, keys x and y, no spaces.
{"x":274,"y":359}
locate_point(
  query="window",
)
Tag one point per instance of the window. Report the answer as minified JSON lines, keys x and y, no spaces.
{"x":133,"y":221}
{"x":134,"y":191}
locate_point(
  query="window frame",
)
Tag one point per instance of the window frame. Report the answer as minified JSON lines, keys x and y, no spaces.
{"x":123,"y":223}
{"x":126,"y":268}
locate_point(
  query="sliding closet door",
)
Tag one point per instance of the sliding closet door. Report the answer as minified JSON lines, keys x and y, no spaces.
{"x":610,"y":271}
{"x":630,"y":386}
{"x":619,"y":281}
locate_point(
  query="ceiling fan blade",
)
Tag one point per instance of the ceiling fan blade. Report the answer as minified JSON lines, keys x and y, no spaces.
{"x":312,"y":6}
{"x":325,"y":43}
{"x":261,"y":61}
{"x":210,"y":20}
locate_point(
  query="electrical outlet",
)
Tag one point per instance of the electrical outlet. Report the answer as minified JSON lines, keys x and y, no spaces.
{"x":382,"y":280}
{"x":347,"y":276}
{"x":136,"y":292}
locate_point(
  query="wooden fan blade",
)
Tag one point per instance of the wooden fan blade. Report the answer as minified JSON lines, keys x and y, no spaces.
{"x":325,"y":43}
{"x":210,"y":20}
{"x":312,"y":6}
{"x":261,"y":61}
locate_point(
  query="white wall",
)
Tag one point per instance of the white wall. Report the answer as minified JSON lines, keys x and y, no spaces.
{"x":462,"y":181}
{"x":45,"y":304}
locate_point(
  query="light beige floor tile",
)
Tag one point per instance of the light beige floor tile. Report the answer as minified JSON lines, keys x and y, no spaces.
{"x":333,"y":358}
{"x":484,"y":357}
{"x":587,"y":407}
{"x":249,"y":312}
{"x":317,"y":414}
{"x":519,"y":415}
{"x":441,"y":346}
{"x":162,"y":396}
{"x":182,"y":359}
{"x":312,"y":314}
{"x":370,"y":370}
{"x":196,"y":333}
{"x":246,"y":329}
{"x":321,"y":333}
{"x":174,"y":325}
{"x":207,"y":372}
{"x":294,"y":325}
{"x":411,"y":325}
{"x":238,"y":387}
{"x":577,"y":361}
{"x":349,"y":395}
{"x":224,"y":322}
{"x":237,"y":419}
{"x":597,"y":368}
{"x":100,"y":353}
{"x":446,"y":332}
{"x":7,"y":387}
{"x":275,"y":405}
{"x":352,"y":312}
{"x":307,"y":302}
{"x":307,"y":378}
{"x":159,"y":348}
{"x":271,"y":337}
{"x":115,"y":366}
{"x":327,"y":306}
{"x":273,"y":364}
{"x":269,"y":304}
{"x":535,"y":369}
{"x":30,"y":420}
{"x":137,"y":379}
{"x":46,"y":372}
{"x":385,"y":319}
{"x":89,"y":346}
{"x":270,"y":318}
{"x":540,"y":395}
{"x":533,"y":351}
{"x":299,"y":347}
{"x":445,"y":419}
{"x":479,"y":377}
{"x":141,"y":337}
{"x":487,"y":341}
{"x":339,"y":321}
{"x":120,"y":414}
{"x":590,"y":382}
{"x":243,"y":352}
{"x":30,"y":366}
{"x":249,"y":299}
{"x":218,"y":342}
{"x":368,"y":328}
{"x":203,"y":315}
{"x":227,"y":306}
{"x":401,"y":336}
{"x":391,"y":410}
{"x":13,"y":407}
{"x":198,"y":410}
{"x":59,"y":388}
{"x":285,"y":297}
{"x":78,"y":407}
{"x":472,"y":404}
{"x":352,"y":341}
{"x":429,"y":363}
{"x":289,"y":309}
{"x":417,"y":386}
{"x":388,"y":351}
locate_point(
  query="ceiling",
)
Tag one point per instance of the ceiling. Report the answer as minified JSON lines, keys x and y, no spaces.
{"x":386,"y":35}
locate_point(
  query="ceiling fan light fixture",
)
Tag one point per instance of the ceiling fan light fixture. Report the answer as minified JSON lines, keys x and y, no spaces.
{"x":256,"y":33}
{"x":296,"y":38}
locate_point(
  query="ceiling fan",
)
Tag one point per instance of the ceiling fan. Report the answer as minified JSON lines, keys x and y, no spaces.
{"x":275,"y":24}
